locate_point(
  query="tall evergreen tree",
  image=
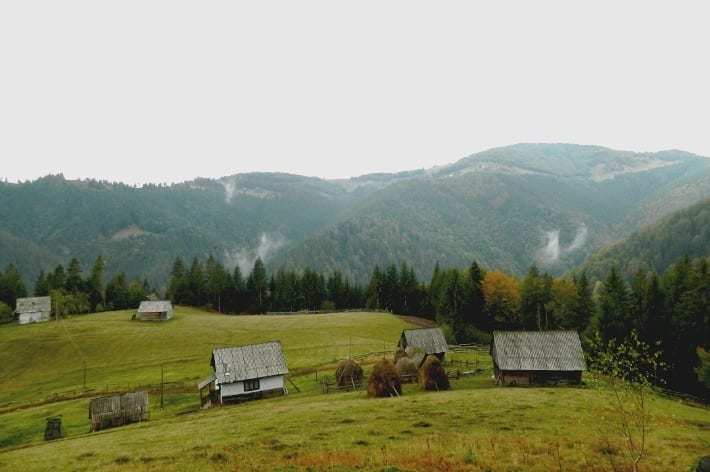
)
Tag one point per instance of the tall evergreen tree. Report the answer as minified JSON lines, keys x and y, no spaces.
{"x":196,"y":282}
{"x":178,"y":290}
{"x":474,"y":314}
{"x":74,"y":283}
{"x":11,"y":286}
{"x":41,"y":285}
{"x":584,"y":307}
{"x":257,"y":287}
{"x":95,"y":285}
{"x":614,"y":313}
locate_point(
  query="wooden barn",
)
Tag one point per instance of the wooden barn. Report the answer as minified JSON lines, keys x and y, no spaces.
{"x":33,"y":310}
{"x":419,"y":343}
{"x":117,"y":410}
{"x":155,"y":310}
{"x":537,"y":357}
{"x":244,"y":373}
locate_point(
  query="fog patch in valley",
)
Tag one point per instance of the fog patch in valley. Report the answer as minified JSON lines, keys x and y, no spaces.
{"x":551,"y":251}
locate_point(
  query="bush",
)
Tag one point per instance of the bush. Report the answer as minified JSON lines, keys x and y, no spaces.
{"x":384,"y":380}
{"x":6,"y":315}
{"x":432,"y":375}
{"x":348,"y":372}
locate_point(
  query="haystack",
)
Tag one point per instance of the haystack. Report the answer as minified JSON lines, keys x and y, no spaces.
{"x":432,"y":375}
{"x":384,"y":380}
{"x":407,"y":370}
{"x":399,"y":353}
{"x":348,"y":373}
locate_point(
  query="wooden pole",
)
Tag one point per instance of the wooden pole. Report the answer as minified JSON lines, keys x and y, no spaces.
{"x":161,"y":386}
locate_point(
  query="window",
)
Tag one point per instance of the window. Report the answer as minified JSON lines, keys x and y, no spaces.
{"x":251,"y":385}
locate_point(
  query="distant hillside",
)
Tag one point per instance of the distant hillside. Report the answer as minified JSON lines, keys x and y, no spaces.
{"x":658,"y":246}
{"x":507,"y":208}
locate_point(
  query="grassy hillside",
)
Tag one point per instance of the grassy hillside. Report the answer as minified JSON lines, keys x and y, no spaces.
{"x":475,"y":426}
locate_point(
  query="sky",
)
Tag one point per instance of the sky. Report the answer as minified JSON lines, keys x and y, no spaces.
{"x":168,"y":91}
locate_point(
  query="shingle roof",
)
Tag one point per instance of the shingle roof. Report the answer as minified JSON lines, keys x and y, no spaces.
{"x":537,"y":350}
{"x":33,"y":304}
{"x":148,"y":306}
{"x":431,"y":340}
{"x":234,"y":364}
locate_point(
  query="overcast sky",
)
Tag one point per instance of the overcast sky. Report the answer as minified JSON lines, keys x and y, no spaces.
{"x":167,"y":91}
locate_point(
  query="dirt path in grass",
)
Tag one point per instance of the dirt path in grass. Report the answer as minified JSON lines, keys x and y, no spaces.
{"x":416,"y":321}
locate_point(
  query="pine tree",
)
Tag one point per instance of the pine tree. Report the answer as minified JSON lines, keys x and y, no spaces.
{"x":614,"y":313}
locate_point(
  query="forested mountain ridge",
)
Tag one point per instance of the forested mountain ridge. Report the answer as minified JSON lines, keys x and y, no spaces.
{"x":656,"y":247}
{"x":507,"y":208}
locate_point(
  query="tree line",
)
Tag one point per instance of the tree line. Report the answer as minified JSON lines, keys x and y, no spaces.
{"x":671,"y":310}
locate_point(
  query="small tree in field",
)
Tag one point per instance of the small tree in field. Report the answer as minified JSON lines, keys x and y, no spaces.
{"x":631,"y":368}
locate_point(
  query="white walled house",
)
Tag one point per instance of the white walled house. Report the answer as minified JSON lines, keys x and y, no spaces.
{"x":244,"y":373}
{"x":33,"y":310}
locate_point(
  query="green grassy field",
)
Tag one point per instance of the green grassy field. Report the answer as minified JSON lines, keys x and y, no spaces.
{"x":474,"y":426}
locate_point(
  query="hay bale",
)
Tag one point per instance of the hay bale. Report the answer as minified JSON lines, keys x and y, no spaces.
{"x":348,"y":373}
{"x":407,"y":369}
{"x":384,"y":380}
{"x":400,"y":353}
{"x":432,"y":375}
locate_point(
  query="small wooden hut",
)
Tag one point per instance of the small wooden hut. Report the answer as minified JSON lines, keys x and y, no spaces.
{"x":53,"y":429}
{"x":155,"y":310}
{"x":117,"y":410}
{"x":537,"y":357}
{"x":33,"y":309}
{"x":244,"y":373}
{"x":428,"y":341}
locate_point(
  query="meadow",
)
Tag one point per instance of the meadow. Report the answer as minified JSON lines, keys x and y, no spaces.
{"x":54,"y":368}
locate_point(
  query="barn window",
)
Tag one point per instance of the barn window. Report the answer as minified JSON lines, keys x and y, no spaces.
{"x":250,"y":385}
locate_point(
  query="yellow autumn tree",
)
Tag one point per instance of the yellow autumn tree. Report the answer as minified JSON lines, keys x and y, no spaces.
{"x":502,"y":297}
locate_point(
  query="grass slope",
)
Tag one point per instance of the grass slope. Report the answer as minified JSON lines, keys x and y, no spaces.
{"x":474,"y":426}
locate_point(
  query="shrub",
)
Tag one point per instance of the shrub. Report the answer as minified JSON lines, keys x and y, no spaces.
{"x":384,"y":380}
{"x":432,"y":375}
{"x":348,"y":372}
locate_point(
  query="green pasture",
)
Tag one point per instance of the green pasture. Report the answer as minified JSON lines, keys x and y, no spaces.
{"x":474,"y":426}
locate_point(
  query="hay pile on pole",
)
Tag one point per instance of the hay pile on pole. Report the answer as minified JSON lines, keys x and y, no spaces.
{"x":432,"y":375}
{"x":348,"y":373}
{"x":384,"y":380}
{"x":407,"y":370}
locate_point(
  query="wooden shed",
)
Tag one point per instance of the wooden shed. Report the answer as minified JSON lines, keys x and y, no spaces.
{"x":33,"y":310}
{"x":245,"y":372}
{"x":155,"y":310}
{"x":117,"y":410}
{"x":537,"y":357}
{"x":425,"y":340}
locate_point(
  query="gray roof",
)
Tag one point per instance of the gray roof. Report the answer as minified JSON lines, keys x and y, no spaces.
{"x":431,"y":340}
{"x":253,"y":361}
{"x":538,"y":350}
{"x":148,"y":306}
{"x":33,"y":305}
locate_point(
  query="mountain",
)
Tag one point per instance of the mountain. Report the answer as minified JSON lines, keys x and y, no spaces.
{"x":656,"y":247}
{"x":507,"y":208}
